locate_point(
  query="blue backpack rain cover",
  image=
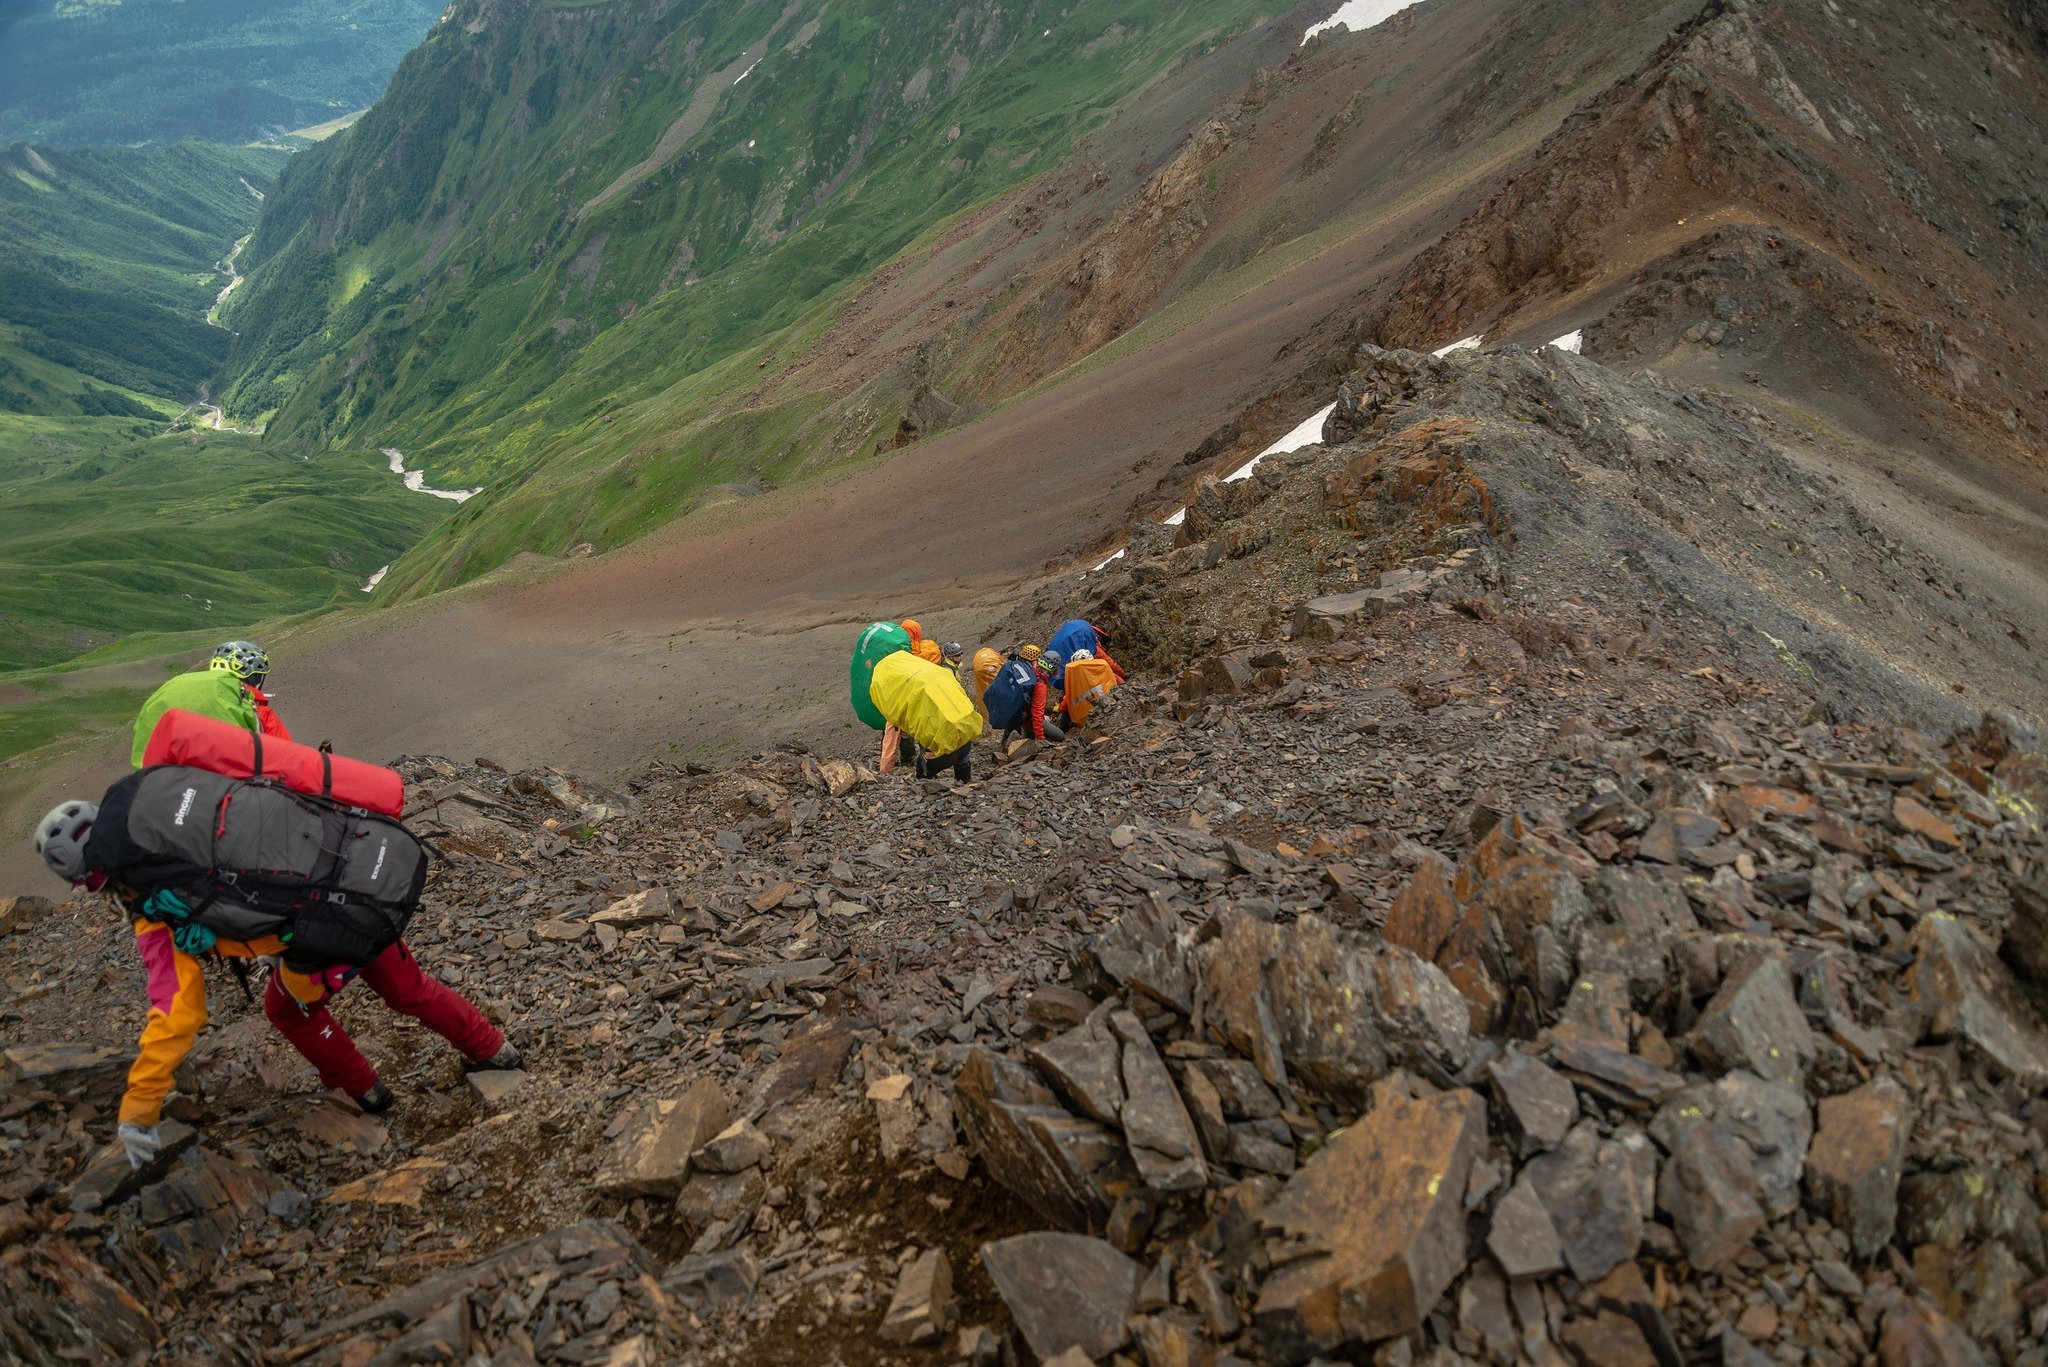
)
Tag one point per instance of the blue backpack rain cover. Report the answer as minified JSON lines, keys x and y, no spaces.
{"x":1009,"y":694}
{"x":1072,"y":636}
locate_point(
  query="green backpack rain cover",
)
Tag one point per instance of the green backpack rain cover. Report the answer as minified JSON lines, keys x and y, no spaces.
{"x":878,"y":642}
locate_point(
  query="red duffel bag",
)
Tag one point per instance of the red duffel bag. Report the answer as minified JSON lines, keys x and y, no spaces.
{"x":220,"y":747}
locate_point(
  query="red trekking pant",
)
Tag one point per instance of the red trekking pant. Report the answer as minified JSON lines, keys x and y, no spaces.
{"x":396,"y":977}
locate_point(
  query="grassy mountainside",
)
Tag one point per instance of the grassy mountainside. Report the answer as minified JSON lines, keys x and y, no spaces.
{"x":108,"y":527}
{"x":559,"y":207}
{"x":113,"y":259}
{"x":74,"y":72}
{"x":893,"y":222}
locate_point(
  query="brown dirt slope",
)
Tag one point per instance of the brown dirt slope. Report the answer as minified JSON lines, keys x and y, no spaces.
{"x":1881,"y":167}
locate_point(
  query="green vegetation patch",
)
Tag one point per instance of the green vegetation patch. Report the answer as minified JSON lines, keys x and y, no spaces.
{"x":113,"y":257}
{"x":108,"y":527}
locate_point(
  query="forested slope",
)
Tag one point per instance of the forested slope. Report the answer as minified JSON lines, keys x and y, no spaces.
{"x":112,"y":260}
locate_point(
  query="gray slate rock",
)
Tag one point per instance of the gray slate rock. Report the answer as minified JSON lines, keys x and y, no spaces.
{"x":1523,"y":1240}
{"x":736,"y":1148}
{"x":1065,"y":1291}
{"x":651,"y":1155}
{"x":1968,"y":993}
{"x":1540,"y":1102}
{"x":1770,"y":1118}
{"x":1754,"y":1022}
{"x":1708,"y":1188}
{"x":1589,"y":1187}
{"x":1244,"y":1094}
{"x":921,"y":1310}
{"x":1853,"y":1164}
{"x":1060,"y":1165}
{"x":1162,"y":1138}
{"x":1085,"y":1066}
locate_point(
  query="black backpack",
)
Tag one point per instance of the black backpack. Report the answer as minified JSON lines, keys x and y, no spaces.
{"x":246,"y":858}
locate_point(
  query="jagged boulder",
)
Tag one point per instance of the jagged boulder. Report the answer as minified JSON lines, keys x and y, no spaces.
{"x":1065,"y":1168}
{"x":1366,"y":1238}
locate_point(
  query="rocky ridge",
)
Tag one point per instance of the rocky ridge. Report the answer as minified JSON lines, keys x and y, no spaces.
{"x":1462,"y":940}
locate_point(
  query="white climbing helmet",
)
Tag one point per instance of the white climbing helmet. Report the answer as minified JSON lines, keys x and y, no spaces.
{"x":60,"y":837}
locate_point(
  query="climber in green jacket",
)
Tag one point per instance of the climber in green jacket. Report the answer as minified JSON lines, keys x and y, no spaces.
{"x":211,"y":693}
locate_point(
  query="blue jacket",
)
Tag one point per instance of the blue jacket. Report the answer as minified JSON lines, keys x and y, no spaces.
{"x":1072,"y":636}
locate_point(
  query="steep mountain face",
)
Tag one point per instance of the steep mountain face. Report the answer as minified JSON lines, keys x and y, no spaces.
{"x":74,"y":72}
{"x":679,"y":179}
{"x":113,"y":259}
{"x":837,"y":219}
{"x":1763,"y":175}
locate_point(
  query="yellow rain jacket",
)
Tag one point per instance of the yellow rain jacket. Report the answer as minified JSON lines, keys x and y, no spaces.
{"x":925,"y":702}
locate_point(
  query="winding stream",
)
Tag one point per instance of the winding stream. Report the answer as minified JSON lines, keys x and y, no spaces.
{"x":416,"y":480}
{"x":235,"y":278}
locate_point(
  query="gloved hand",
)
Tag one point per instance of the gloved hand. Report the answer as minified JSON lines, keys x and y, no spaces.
{"x":141,"y":1143}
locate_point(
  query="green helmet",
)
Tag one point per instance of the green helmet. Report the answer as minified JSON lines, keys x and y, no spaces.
{"x":244,"y":659}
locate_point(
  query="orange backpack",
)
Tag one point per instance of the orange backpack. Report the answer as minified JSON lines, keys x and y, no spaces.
{"x":1088,"y":683}
{"x":988,"y":663}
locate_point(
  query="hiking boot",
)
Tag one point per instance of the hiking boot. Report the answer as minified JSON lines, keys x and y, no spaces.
{"x":507,"y":1058}
{"x":377,"y":1100}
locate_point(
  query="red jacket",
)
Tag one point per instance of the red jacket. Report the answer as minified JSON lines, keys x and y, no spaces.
{"x":1035,"y":709}
{"x":266,"y":716}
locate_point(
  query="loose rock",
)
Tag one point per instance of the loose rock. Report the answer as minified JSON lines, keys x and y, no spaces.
{"x":1066,"y":1291}
{"x":1852,"y":1169}
{"x":1371,"y":1231}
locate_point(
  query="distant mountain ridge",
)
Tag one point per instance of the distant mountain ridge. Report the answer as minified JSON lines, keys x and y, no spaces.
{"x":78,"y":72}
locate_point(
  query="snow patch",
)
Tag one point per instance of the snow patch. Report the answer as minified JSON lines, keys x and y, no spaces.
{"x":748,"y":72}
{"x":1462,"y":344}
{"x":416,"y":480}
{"x":1572,"y":341}
{"x":1307,"y":434}
{"x":1358,"y":16}
{"x":1114,"y":556}
{"x":376,"y":579}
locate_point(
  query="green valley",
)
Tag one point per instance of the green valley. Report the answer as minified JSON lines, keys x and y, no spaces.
{"x":107,"y":528}
{"x":119,"y":512}
{"x":113,"y":259}
{"x":74,"y":72}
